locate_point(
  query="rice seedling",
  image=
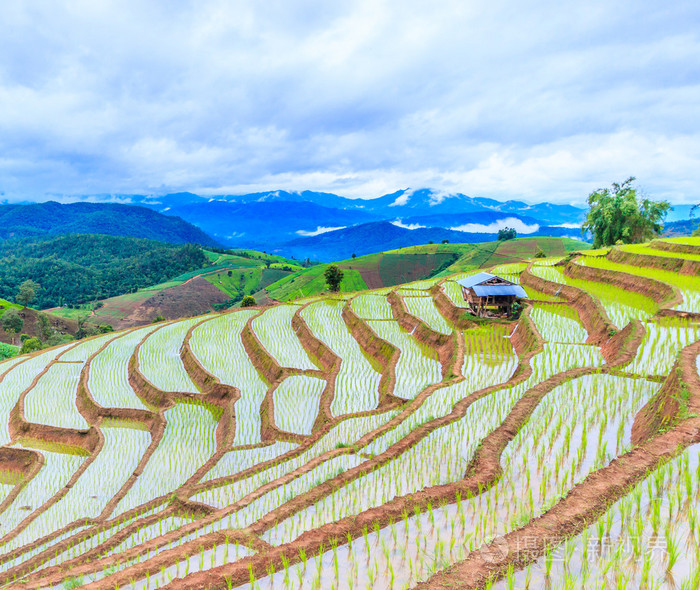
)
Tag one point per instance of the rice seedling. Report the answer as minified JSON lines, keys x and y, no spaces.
{"x":647,"y":539}
{"x":108,"y":379}
{"x":159,"y":357}
{"x":218,"y":346}
{"x":296,"y":402}
{"x":274,"y":330}
{"x":620,"y":305}
{"x":357,"y":383}
{"x":417,"y":367}
{"x":423,"y":307}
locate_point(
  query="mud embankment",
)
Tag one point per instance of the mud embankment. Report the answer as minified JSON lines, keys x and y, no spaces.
{"x":262,"y":360}
{"x":675,"y":247}
{"x":679,"y":265}
{"x":662,"y":293}
{"x":456,"y":315}
{"x":445,"y":345}
{"x":383,"y":352}
{"x":591,"y":314}
{"x":325,"y":358}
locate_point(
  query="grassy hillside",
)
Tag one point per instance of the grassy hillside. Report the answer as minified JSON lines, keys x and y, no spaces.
{"x":493,"y":253}
{"x":386,"y":269}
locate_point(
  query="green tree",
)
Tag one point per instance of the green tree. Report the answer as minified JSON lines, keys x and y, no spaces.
{"x":31,"y":345}
{"x":27,"y":292}
{"x":540,"y":254}
{"x":618,"y":215}
{"x":248,"y":301}
{"x":334,"y":276}
{"x":12,"y":322}
{"x":507,"y":233}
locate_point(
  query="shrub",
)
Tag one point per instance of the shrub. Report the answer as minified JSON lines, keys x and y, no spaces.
{"x":7,"y":351}
{"x":248,"y":301}
{"x":31,"y":345}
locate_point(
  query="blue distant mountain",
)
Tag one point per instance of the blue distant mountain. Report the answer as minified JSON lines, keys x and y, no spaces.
{"x":275,"y":220}
{"x":267,"y":220}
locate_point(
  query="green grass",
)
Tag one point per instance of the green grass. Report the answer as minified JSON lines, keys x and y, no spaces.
{"x":5,"y":305}
{"x":672,"y":278}
{"x":312,"y":282}
{"x":245,"y":280}
{"x":72,"y":314}
{"x":688,"y":240}
{"x":646,"y":250}
{"x":395,"y":267}
{"x":488,"y":254}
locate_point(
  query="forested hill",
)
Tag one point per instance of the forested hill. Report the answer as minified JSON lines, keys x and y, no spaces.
{"x":51,"y":218}
{"x":75,"y":269}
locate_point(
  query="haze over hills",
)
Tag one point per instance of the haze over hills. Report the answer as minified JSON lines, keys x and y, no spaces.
{"x":277,"y":220}
{"x":306,"y":224}
{"x":363,"y":239}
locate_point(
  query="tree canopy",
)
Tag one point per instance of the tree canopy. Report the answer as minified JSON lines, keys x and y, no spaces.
{"x":507,"y":233}
{"x":27,"y":292}
{"x":617,"y":214}
{"x":334,"y":277}
{"x":77,"y":269}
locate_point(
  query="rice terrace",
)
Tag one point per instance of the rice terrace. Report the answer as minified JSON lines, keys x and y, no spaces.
{"x":377,"y":439}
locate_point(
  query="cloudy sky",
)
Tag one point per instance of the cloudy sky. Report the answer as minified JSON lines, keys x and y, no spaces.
{"x":535,"y":100}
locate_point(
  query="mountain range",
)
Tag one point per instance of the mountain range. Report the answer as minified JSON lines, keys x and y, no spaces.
{"x":324,"y":226}
{"x":307,"y":224}
{"x":51,"y":218}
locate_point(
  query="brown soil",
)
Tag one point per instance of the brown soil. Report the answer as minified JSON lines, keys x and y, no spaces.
{"x":311,"y":497}
{"x":326,"y":358}
{"x":448,"y":309}
{"x":484,"y":470}
{"x":31,"y":325}
{"x":665,"y":295}
{"x":675,"y":247}
{"x":263,"y":361}
{"x":679,"y":265}
{"x":591,"y":313}
{"x":444,"y":345}
{"x":18,"y":461}
{"x":622,"y":347}
{"x":192,"y":298}
{"x":385,"y":353}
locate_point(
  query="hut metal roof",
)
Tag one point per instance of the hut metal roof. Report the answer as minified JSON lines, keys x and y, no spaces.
{"x":475,"y":282}
{"x":489,"y":290}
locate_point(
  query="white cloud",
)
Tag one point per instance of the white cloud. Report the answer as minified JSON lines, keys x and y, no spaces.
{"x":568,"y":225}
{"x":399,"y":223}
{"x":488,"y":99}
{"x":437,"y":197}
{"x":318,"y":231}
{"x":515,"y":223}
{"x":403,"y":198}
